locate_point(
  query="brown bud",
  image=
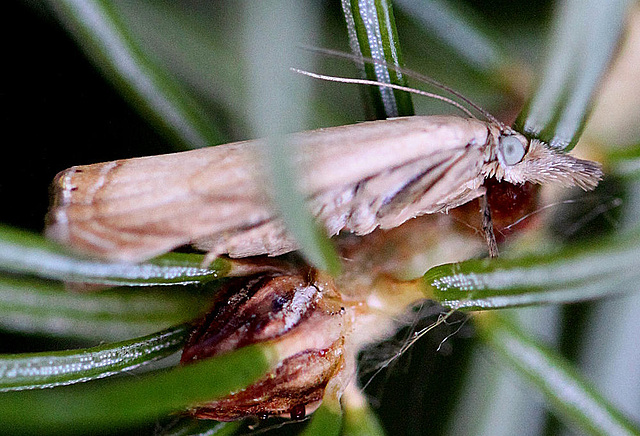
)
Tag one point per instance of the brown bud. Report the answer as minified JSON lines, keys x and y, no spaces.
{"x":301,"y":315}
{"x":509,"y":204}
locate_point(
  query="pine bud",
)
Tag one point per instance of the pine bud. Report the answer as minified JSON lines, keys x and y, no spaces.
{"x":302,"y":316}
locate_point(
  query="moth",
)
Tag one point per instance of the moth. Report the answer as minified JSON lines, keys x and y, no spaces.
{"x":355,"y":178}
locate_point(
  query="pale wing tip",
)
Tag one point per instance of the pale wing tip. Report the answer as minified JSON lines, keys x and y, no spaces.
{"x":56,"y":229}
{"x":56,"y":221}
{"x":86,"y":234}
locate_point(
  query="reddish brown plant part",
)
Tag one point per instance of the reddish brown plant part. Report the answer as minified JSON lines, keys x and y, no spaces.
{"x":302,"y":315}
{"x":512,"y":208}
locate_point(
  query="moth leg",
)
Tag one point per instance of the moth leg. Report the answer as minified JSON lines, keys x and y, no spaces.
{"x":247,"y":266}
{"x":267,"y":237}
{"x":487,"y":227}
{"x":210,"y":257}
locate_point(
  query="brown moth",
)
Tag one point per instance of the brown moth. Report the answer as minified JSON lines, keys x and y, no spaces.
{"x":355,"y":178}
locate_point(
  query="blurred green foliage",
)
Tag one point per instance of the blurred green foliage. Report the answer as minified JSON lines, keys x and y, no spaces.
{"x":66,"y":104}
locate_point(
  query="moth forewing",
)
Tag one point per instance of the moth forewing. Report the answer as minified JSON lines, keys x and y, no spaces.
{"x":138,"y":208}
{"x":403,"y":170}
{"x":344,"y":155}
{"x":356,"y":178}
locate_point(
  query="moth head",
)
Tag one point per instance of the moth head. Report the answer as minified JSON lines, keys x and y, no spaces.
{"x":522,"y":160}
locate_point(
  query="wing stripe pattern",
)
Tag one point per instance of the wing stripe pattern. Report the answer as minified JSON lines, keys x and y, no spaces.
{"x":138,"y":208}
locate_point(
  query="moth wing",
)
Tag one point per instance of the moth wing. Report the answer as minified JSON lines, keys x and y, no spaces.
{"x":137,"y":208}
{"x":398,"y":169}
{"x":350,"y":154}
{"x":451,"y":181}
{"x":215,"y":198}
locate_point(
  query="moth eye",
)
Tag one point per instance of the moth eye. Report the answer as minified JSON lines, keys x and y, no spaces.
{"x":511,"y":149}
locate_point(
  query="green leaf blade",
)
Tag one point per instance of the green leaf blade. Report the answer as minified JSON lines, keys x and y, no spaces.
{"x":360,"y":420}
{"x":33,"y":306}
{"x":372,"y":34}
{"x":572,"y":396}
{"x":201,"y":427}
{"x":49,"y":369}
{"x":27,"y":253}
{"x":475,"y":45}
{"x":326,"y":421}
{"x":583,"y":40}
{"x":574,"y":274}
{"x":97,"y":28}
{"x":279,"y":104}
{"x":121,"y":403}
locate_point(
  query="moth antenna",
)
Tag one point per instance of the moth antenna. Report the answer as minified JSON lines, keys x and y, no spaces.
{"x":385,"y":85}
{"x":409,"y":73}
{"x":537,"y":211}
